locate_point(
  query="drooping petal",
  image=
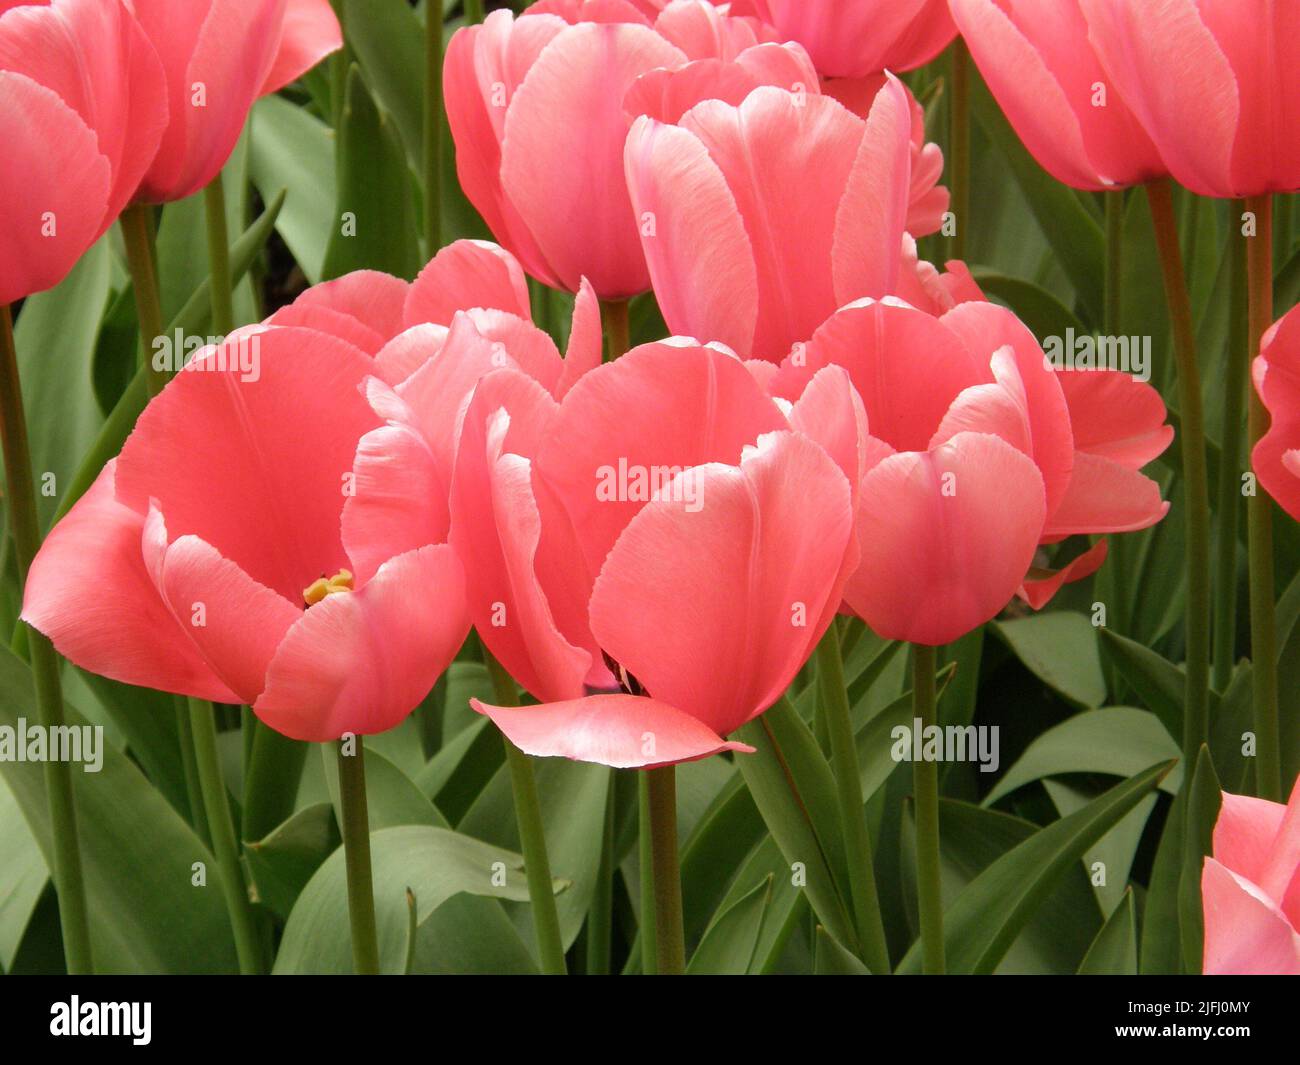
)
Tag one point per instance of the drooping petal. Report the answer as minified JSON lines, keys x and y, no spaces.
{"x":946,"y":537}
{"x":716,"y":592}
{"x":623,"y":731}
{"x":1104,"y":496}
{"x":1039,"y":591}
{"x":1245,"y":933}
{"x":1115,"y":417}
{"x":463,"y":275}
{"x":700,"y":258}
{"x":90,"y":592}
{"x":361,"y":661}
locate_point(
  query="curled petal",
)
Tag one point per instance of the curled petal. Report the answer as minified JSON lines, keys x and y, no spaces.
{"x":1039,"y":591}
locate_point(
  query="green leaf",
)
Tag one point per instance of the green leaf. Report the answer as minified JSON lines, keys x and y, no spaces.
{"x":25,"y":876}
{"x":282,"y":863}
{"x":1114,"y":951}
{"x":388,"y":39}
{"x":1073,"y":233}
{"x":1204,"y":801}
{"x":375,"y":194}
{"x":1161,"y":949}
{"x":987,"y":916}
{"x":831,"y":959}
{"x":138,"y":855}
{"x":466,"y":764}
{"x":1119,"y":740}
{"x":1039,"y":309}
{"x":434,"y":863}
{"x":1158,"y":682}
{"x":1060,"y":648}
{"x":729,"y":942}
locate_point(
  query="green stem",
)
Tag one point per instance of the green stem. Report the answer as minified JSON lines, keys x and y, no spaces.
{"x":203,"y":725}
{"x":1259,"y":517}
{"x":925,"y":784}
{"x":25,"y":528}
{"x":532,"y":833}
{"x":1196,"y":489}
{"x":356,"y":856}
{"x":189,"y":766}
{"x":614,"y":314}
{"x":600,"y":915}
{"x":1110,"y":581}
{"x":223,"y":304}
{"x":670,"y":937}
{"x":1229,"y":486}
{"x":433,"y":52}
{"x":853,"y":817}
{"x":144,"y":277}
{"x":473,"y":11}
{"x":649,"y":933}
{"x":959,"y":139}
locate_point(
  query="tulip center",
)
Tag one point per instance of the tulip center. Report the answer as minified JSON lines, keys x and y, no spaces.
{"x":626,"y":681}
{"x":324,"y":586}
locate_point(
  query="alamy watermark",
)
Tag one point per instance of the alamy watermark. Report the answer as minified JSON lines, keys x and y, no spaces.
{"x":241,"y":355}
{"x":1127,"y":354}
{"x":633,"y":483}
{"x":56,"y":743}
{"x":946,"y":743}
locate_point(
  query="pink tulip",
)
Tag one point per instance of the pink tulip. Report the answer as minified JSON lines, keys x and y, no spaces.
{"x":1051,"y":87}
{"x":1276,"y":458}
{"x":977,"y":452}
{"x":82,"y":109}
{"x":763,"y":218}
{"x":219,"y":57}
{"x":1214,"y":84}
{"x":703,"y":592}
{"x":853,"y":38}
{"x":214,"y":557}
{"x":1251,"y":888}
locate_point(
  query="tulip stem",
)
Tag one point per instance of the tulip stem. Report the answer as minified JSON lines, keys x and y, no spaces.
{"x":1259,"y":518}
{"x":614,"y":313}
{"x":223,"y":304}
{"x":649,"y":934}
{"x":532,"y":833}
{"x":1110,"y":580}
{"x":959,"y":142}
{"x":925,"y":785}
{"x":600,"y":914}
{"x":670,"y":938}
{"x":1229,"y":486}
{"x":24,"y":523}
{"x":190,"y":769}
{"x":203,"y":727}
{"x":356,"y":856}
{"x":1196,"y":490}
{"x":433,"y":53}
{"x":853,"y":818}
{"x":473,"y":11}
{"x":137,"y":235}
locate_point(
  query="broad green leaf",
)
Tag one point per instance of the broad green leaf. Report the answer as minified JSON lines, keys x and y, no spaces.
{"x":1119,"y":740}
{"x":831,"y":959}
{"x":1160,"y":948}
{"x":392,"y":798}
{"x":1060,"y":648}
{"x":1039,"y":309}
{"x":729,"y":942}
{"x":1114,"y":951}
{"x":466,"y":764}
{"x":434,"y":863}
{"x":987,"y":916}
{"x":25,"y":876}
{"x":724,"y":834}
{"x":281,"y":864}
{"x":388,"y":39}
{"x":1158,"y":682}
{"x":1203,"y":803}
{"x":146,"y":915}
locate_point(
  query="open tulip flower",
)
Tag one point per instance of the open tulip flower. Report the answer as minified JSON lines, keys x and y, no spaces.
{"x":1214,"y":85}
{"x":973,"y":460}
{"x":744,"y":251}
{"x":1051,"y":86}
{"x":219,"y":56}
{"x":83,"y":106}
{"x":1276,"y":458}
{"x":854,"y":38}
{"x":223,"y":561}
{"x":1251,"y":888}
{"x":641,"y":533}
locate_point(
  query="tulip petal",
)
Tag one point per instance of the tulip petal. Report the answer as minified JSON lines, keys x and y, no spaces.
{"x":1245,"y":833}
{"x":463,"y":275}
{"x":397,"y":360}
{"x":1039,"y":592}
{"x":90,"y":592}
{"x":375,"y":300}
{"x":361,"y":661}
{"x":585,"y":348}
{"x":1245,"y":933}
{"x":1276,"y":374}
{"x":1115,"y":417}
{"x":717,"y":590}
{"x":311,"y":32}
{"x":623,"y":731}
{"x":700,"y":258}
{"x":946,"y":537}
{"x":1104,"y":496}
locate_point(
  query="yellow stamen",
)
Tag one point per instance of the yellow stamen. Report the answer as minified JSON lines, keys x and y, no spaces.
{"x":323,"y":586}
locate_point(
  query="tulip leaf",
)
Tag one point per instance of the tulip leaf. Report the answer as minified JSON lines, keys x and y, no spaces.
{"x":831,"y":959}
{"x":139,"y":856}
{"x":1045,"y":315}
{"x":1158,"y":682}
{"x":456,"y":775}
{"x":281,"y":864}
{"x":984,"y":920}
{"x":1160,"y":946}
{"x":1203,"y":804}
{"x":434,"y":863}
{"x":388,"y":39}
{"x":1060,"y":648}
{"x":729,"y":942}
{"x":1114,"y":951}
{"x":25,"y":876}
{"x":715,"y":849}
{"x":1118,"y":740}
